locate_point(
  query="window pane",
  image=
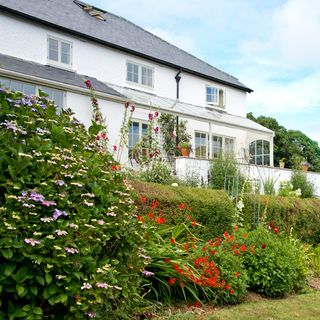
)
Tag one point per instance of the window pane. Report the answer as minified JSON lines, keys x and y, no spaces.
{"x":144,"y":129}
{"x":5,"y":83}
{"x":53,"y":49}
{"x":57,"y":97}
{"x":229,"y":146}
{"x":266,"y":147}
{"x":266,"y":160}
{"x":259,"y":147}
{"x":146,"y":76}
{"x":201,"y":145}
{"x":212,"y":95}
{"x":16,"y":86}
{"x":259,"y":160}
{"x":132,"y":72}
{"x":65,"y":52}
{"x":29,"y":89}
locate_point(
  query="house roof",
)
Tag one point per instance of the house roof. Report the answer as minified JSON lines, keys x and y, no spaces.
{"x":52,"y":73}
{"x":117,"y":32}
{"x":188,"y":110}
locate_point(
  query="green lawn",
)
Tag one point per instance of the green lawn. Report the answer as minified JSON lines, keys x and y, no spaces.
{"x":305,"y":306}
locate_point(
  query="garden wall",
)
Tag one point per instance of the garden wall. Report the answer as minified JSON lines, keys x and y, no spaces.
{"x":187,"y":166}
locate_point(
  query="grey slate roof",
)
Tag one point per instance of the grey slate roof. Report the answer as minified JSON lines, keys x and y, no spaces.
{"x":189,"y":110}
{"x":116,"y":32}
{"x":51,"y":73}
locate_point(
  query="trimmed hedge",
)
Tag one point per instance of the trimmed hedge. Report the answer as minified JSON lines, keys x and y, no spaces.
{"x":211,"y":208}
{"x":301,"y":217}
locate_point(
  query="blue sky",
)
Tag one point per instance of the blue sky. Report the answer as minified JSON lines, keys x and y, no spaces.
{"x":272,"y":46}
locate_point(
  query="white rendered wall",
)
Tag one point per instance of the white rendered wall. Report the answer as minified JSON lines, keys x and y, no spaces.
{"x":186,"y":166}
{"x":28,"y":41}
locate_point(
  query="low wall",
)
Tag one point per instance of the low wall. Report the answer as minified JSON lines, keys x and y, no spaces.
{"x":191,"y":167}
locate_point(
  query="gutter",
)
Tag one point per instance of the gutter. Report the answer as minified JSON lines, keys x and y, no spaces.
{"x":118,"y":47}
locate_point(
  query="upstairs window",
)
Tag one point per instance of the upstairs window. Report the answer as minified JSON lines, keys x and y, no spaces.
{"x":215,"y":96}
{"x":59,"y":51}
{"x":259,"y":151}
{"x":139,"y":74}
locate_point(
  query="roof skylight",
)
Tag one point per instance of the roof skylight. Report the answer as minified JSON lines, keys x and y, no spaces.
{"x":93,"y":11}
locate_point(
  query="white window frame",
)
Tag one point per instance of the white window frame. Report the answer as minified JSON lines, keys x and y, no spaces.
{"x":37,"y":88}
{"x":59,"y":63}
{"x":223,"y":145}
{"x":140,"y":66}
{"x":221,"y":97}
{"x":141,"y":123}
{"x":201,"y":145}
{"x":263,"y":155}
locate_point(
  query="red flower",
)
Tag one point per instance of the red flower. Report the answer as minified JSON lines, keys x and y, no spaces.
{"x":115,"y":148}
{"x":194,"y":223}
{"x":182,"y":205}
{"x":150,"y":116}
{"x":172,"y":281}
{"x":167,"y":260}
{"x":237,"y":274}
{"x":150,"y":215}
{"x":143,"y":199}
{"x":276,"y":230}
{"x":226,"y":234}
{"x":155,"y":204}
{"x":173,"y":134}
{"x":160,"y":220}
{"x":186,"y":246}
{"x":244,"y":235}
{"x":243,"y":248}
{"x":263,"y":246}
{"x":114,"y":168}
{"x":227,"y":287}
{"x":197,"y":304}
{"x":236,"y":228}
{"x":156,"y":130}
{"x":126,"y":105}
{"x":236,"y":252}
{"x":132,"y":108}
{"x":88,"y":83}
{"x":231,"y":291}
{"x":140,"y":218}
{"x":173,"y":241}
{"x":156,"y":114}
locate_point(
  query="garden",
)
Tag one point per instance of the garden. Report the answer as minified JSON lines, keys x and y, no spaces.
{"x":84,"y":238}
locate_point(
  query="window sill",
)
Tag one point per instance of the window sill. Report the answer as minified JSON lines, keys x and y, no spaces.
{"x":135,"y":85}
{"x":63,"y":66}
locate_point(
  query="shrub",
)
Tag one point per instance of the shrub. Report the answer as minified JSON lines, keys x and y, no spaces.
{"x":157,"y":172}
{"x":183,"y":267}
{"x":277,"y":266}
{"x":211,"y":208}
{"x":299,"y":180}
{"x":69,"y":243}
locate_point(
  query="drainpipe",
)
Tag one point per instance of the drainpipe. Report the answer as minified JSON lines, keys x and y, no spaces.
{"x":178,"y":78}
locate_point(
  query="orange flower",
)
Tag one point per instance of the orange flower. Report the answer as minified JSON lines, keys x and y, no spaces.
{"x":172,"y":281}
{"x":243,"y":248}
{"x":143,"y":199}
{"x":236,"y":228}
{"x":182,"y":205}
{"x":160,"y":220}
{"x":155,"y":204}
{"x":237,"y":274}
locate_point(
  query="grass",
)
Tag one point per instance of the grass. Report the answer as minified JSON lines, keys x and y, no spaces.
{"x":304,"y":306}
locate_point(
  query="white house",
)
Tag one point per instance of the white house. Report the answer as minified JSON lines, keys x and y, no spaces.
{"x":55,"y":45}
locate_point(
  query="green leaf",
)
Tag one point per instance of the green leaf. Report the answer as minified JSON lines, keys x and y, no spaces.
{"x":22,"y":275}
{"x":20,"y":290}
{"x":9,"y":268}
{"x":7,"y":253}
{"x":34,"y":290}
{"x":40,"y":280}
{"x":62,"y":298}
{"x":48,"y":278}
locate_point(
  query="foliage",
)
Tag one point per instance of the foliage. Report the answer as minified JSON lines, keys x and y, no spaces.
{"x":172,"y":134}
{"x":69,"y":241}
{"x":157,"y":172}
{"x":211,"y":208}
{"x":291,"y":144}
{"x":277,"y":266}
{"x":314,"y":260}
{"x":220,"y":170}
{"x":301,"y":217}
{"x":183,"y":267}
{"x":299,"y":180}
{"x":268,"y":186}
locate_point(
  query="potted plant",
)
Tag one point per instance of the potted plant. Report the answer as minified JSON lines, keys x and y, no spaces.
{"x":185,"y":149}
{"x":282,"y":163}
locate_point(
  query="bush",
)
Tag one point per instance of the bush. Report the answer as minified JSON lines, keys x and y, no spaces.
{"x":277,"y":266}
{"x":184,"y":268}
{"x":211,"y":208}
{"x":157,"y":172}
{"x":69,"y":243}
{"x":301,"y":217}
{"x":299,"y":180}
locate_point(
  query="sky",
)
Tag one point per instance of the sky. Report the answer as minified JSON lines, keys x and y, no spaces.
{"x":271,"y":46}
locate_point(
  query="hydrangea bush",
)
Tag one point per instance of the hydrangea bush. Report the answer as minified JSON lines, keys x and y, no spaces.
{"x":70,"y":245}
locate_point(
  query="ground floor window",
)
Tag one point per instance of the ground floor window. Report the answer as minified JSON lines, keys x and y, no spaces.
{"x":259,"y":151}
{"x":201,"y":145}
{"x":57,"y":96}
{"x":136,"y":131}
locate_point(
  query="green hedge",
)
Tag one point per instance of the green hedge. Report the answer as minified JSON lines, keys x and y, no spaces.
{"x":301,"y":217}
{"x":211,"y":208}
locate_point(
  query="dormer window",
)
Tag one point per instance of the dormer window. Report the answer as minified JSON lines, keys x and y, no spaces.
{"x":215,"y":96}
{"x":139,"y":74}
{"x":59,"y":51}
